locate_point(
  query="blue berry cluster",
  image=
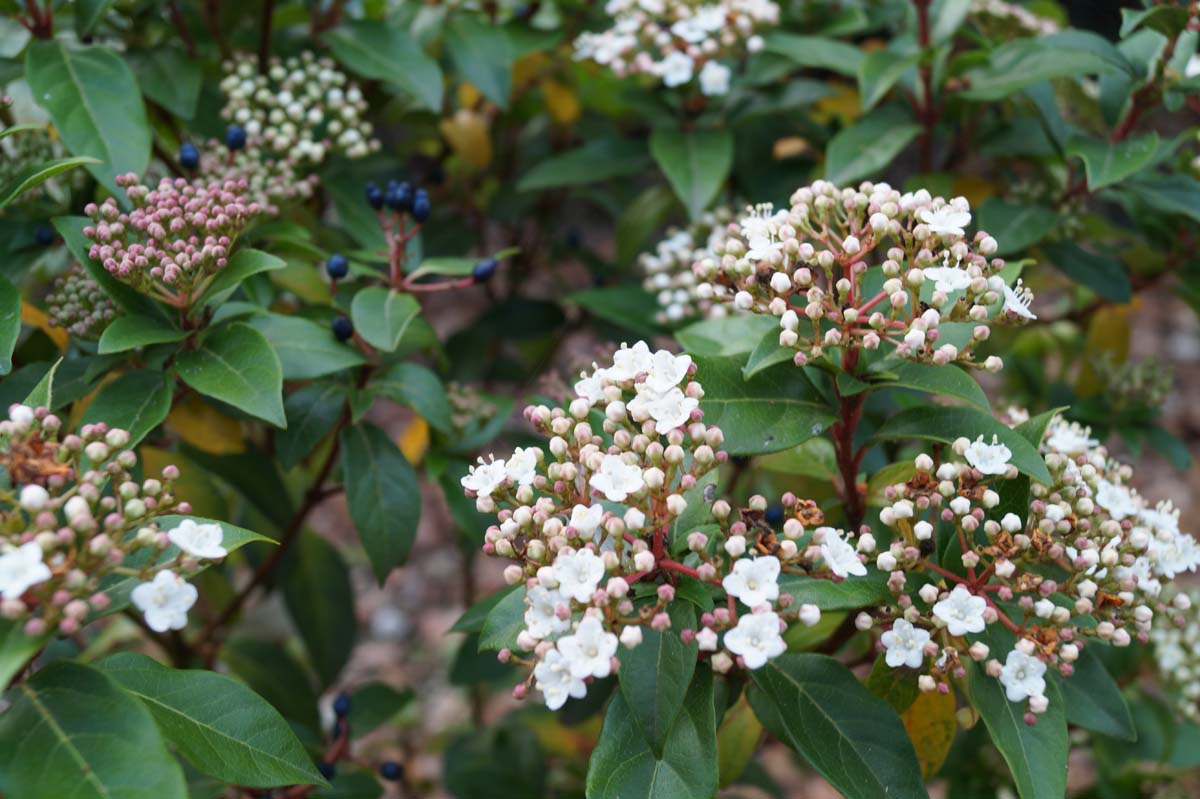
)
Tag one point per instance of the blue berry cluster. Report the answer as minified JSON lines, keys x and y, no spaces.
{"x":401,"y":197}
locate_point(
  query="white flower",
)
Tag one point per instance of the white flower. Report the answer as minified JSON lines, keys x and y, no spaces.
{"x":947,"y":279}
{"x":591,"y":387}
{"x":839,"y":556}
{"x":578,"y":573}
{"x":1118,"y":500}
{"x":589,"y":651}
{"x":945,"y":221}
{"x":1022,"y":676}
{"x":485,"y":478}
{"x":1069,"y":438}
{"x":1017,"y":300}
{"x":666,"y":370}
{"x":629,"y":362}
{"x":617,"y":479}
{"x":669,"y":409}
{"x":164,"y":601}
{"x":587,"y":519}
{"x":555,"y":681}
{"x":905,"y":645}
{"x":988,"y":458}
{"x":753,"y":581}
{"x":521,"y":466}
{"x":962,"y":611}
{"x":541,"y":617}
{"x":21,"y":569}
{"x":33,"y":498}
{"x":756,"y":638}
{"x":706,"y":640}
{"x":199,"y":540}
{"x":714,"y":79}
{"x":676,"y":69}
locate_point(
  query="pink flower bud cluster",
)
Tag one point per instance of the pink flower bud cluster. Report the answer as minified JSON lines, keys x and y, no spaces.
{"x":1087,"y":546}
{"x":77,"y":520}
{"x":270,"y":181}
{"x":77,"y":304}
{"x":609,"y":525}
{"x":866,"y":268}
{"x":177,"y":236}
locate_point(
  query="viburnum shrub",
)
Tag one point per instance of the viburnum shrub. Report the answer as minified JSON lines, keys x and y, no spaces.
{"x":854,"y":341}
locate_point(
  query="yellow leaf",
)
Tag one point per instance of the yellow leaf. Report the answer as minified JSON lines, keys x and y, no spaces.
{"x":843,"y":104}
{"x":206,"y":428}
{"x":561,"y":101}
{"x":1109,"y":333}
{"x":469,"y":135}
{"x":528,"y":67}
{"x":468,"y":95}
{"x":737,"y":739}
{"x":35,"y":317}
{"x":414,"y":441}
{"x":931,"y":724}
{"x":790,"y":147}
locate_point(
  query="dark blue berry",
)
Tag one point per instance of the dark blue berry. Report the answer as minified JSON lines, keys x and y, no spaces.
{"x":189,"y":156}
{"x":374,"y":196}
{"x":484,"y":270}
{"x":44,"y":235}
{"x":337,"y":267}
{"x":739,"y":460}
{"x":399,"y":196}
{"x":343,"y":329}
{"x":420,"y":206}
{"x":774,"y":514}
{"x":328,"y":770}
{"x":391,"y":770}
{"x":235,"y":137}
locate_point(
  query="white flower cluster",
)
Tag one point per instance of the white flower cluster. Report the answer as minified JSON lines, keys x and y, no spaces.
{"x":62,"y":534}
{"x":270,"y":182}
{"x":303,"y":107}
{"x":669,"y":274}
{"x":1177,"y":653}
{"x":1018,"y":16}
{"x":679,"y":41}
{"x":1089,"y":547}
{"x":592,"y":528}
{"x":813,"y":265}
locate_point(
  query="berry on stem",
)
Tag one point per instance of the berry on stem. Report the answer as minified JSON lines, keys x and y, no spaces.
{"x":235,"y":137}
{"x":391,"y":771}
{"x":375,"y":196}
{"x":189,"y":156}
{"x":328,"y":770}
{"x":44,"y":235}
{"x":420,"y":206}
{"x":343,"y":329}
{"x":399,"y":196}
{"x":337,"y":267}
{"x":484,"y":270}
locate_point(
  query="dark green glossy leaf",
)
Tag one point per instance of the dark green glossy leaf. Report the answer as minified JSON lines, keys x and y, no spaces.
{"x":311,"y":413}
{"x":129,"y":332}
{"x":1108,"y":162}
{"x":816,"y":51}
{"x":305,"y":348}
{"x":1102,"y":273}
{"x":597,"y":160}
{"x":137,"y":401}
{"x":320,"y":599}
{"x":10,"y":322}
{"x":383,"y":496}
{"x":1093,"y":699}
{"x":387,"y":53}
{"x":236,"y":364}
{"x":417,"y":387}
{"x":865,"y":149}
{"x":655,"y":676}
{"x":504,"y":622}
{"x":483,"y":55}
{"x":696,"y":163}
{"x":849,"y":594}
{"x":382,"y":316}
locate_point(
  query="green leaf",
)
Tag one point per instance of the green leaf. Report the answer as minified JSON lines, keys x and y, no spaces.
{"x":374,"y":705}
{"x":878,"y":73}
{"x":504,"y":622}
{"x":1037,"y":755}
{"x":816,"y":51}
{"x":382,"y":315}
{"x":88,"y":14}
{"x":595,"y":161}
{"x":417,"y":387}
{"x":774,"y":410}
{"x":10,"y":322}
{"x":1170,"y":194}
{"x":137,"y":401}
{"x":475,"y":617}
{"x":868,"y":146}
{"x":311,"y":413}
{"x":728,"y":335}
{"x":37,"y":174}
{"x":1023,"y":62}
{"x":1015,"y":227}
{"x":222,"y":727}
{"x":627,"y":306}
{"x":305,"y":349}
{"x":42,"y":394}
{"x":130,"y":332}
{"x":655,"y":676}
{"x":324,"y":617}
{"x":946,"y":381}
{"x":852,"y":737}
{"x":95,"y":103}
{"x":737,"y":741}
{"x":236,"y":365}
{"x":16,"y":649}
{"x":169,"y":78}
{"x":696,"y":163}
{"x":1102,"y":273}
{"x":625,"y":766}
{"x":1167,"y":20}
{"x":1093,"y":700}
{"x":241,"y":266}
{"x":383,"y":496}
{"x":275,"y":675}
{"x":73,"y":732}
{"x":946,"y":424}
{"x":1108,"y":162}
{"x":767,"y":353}
{"x":483,"y":55}
{"x":897,"y":687}
{"x":849,"y":594}
{"x":383,"y":52}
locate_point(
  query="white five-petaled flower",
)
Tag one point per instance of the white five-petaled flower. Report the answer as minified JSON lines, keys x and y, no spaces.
{"x":199,"y":540}
{"x":756,"y":639}
{"x":666,"y":370}
{"x":669,"y":410}
{"x":905,"y":645}
{"x":1017,"y":300}
{"x":541,"y":617}
{"x":21,"y":569}
{"x":677,"y":69}
{"x":962,"y":611}
{"x":555,"y":681}
{"x":1022,"y":676}
{"x":617,"y":479}
{"x":578,"y":574}
{"x":591,"y":387}
{"x":714,"y":78}
{"x":947,"y":279}
{"x":840,"y":557}
{"x":164,"y":601}
{"x":485,"y":478}
{"x":629,"y":362}
{"x":990,"y":458}
{"x":589,"y":650}
{"x":946,"y":221}
{"x":1070,"y":438}
{"x":586,"y":519}
{"x":521,"y":466}
{"x":753,"y":581}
